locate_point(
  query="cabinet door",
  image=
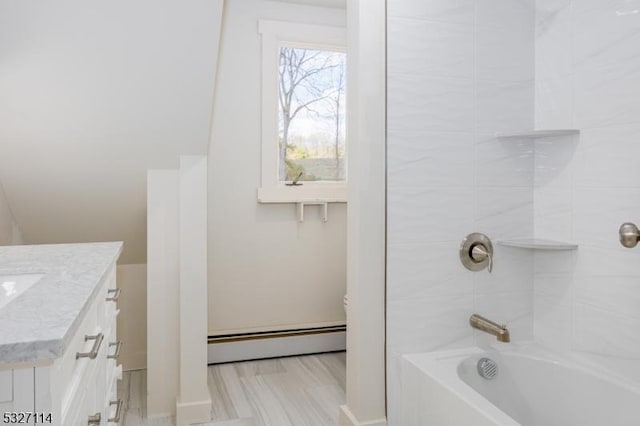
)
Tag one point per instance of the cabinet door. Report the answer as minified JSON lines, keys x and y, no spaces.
{"x":16,"y":393}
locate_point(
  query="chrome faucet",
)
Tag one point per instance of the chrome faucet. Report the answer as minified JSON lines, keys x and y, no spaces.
{"x":481,"y":323}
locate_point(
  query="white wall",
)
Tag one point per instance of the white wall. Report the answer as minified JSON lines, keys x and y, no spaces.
{"x":588,"y":77}
{"x":458,"y":72}
{"x":9,"y":231}
{"x":266,"y":270}
{"x":94,"y":94}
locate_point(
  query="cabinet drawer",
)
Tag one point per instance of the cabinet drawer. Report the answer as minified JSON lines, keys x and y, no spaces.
{"x":78,"y":409}
{"x":73,"y":370}
{"x":6,"y":386}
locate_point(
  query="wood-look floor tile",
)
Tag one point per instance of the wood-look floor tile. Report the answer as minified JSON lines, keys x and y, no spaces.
{"x":292,"y":391}
{"x":234,"y":422}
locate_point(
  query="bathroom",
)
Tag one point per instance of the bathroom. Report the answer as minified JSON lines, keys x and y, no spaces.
{"x":474,"y":222}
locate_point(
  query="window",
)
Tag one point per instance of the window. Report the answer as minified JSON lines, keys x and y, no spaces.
{"x":303,"y":113}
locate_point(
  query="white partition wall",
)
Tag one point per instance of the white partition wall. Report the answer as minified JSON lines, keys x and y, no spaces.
{"x":177,"y":293}
{"x":366,"y":216}
{"x":162,"y":292}
{"x":194,"y":401}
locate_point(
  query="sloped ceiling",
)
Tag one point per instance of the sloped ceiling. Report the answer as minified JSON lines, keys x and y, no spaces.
{"x":92,"y":95}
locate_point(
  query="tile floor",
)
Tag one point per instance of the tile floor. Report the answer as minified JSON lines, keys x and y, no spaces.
{"x":293,"y":391}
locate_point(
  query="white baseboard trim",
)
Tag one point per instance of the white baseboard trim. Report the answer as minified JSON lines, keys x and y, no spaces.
{"x":273,"y":347}
{"x":348,"y":419}
{"x":193,"y":412}
{"x":133,"y":361}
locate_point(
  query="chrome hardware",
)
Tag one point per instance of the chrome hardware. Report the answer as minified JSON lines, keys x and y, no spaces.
{"x":98,"y":338}
{"x":119,"y":405}
{"x":487,"y":368}
{"x":116,"y":295}
{"x":476,"y":252}
{"x":116,"y":354}
{"x":481,"y":323}
{"x":96,"y":419}
{"x":629,"y":235}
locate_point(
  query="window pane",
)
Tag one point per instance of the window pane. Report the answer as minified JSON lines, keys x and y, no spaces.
{"x":312,"y":115}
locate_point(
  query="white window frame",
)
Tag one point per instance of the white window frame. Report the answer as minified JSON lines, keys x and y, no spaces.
{"x":276,"y":34}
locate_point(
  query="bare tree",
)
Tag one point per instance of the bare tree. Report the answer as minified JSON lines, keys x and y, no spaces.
{"x":300,"y":88}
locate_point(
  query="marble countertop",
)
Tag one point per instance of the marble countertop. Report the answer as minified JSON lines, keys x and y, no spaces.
{"x":38,"y":325}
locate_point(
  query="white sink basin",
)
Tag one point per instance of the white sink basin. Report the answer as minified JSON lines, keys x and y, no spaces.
{"x":12,"y":286}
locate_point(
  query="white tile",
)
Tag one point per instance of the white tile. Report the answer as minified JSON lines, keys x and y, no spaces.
{"x":600,"y":261}
{"x":620,"y":294}
{"x":607,"y":157}
{"x":504,"y":163}
{"x":554,"y":161}
{"x":430,"y":159}
{"x":554,"y":103}
{"x":602,"y":100}
{"x":425,"y":270}
{"x":516,"y":15}
{"x":604,"y":332}
{"x":418,"y":103}
{"x":435,"y":49}
{"x":504,"y":307}
{"x":557,"y":286}
{"x":553,"y":213}
{"x":504,"y":55}
{"x":458,"y":11}
{"x":605,"y":92}
{"x":512,"y":272}
{"x":423,"y":325}
{"x":598,"y":214}
{"x":504,"y":106}
{"x":427,"y":215}
{"x":553,"y":39}
{"x":547,"y":10}
{"x":552,"y":322}
{"x":600,"y":27}
{"x":555,"y":262}
{"x":505,"y":212}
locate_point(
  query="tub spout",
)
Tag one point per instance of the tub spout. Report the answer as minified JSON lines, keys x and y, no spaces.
{"x":481,"y":323}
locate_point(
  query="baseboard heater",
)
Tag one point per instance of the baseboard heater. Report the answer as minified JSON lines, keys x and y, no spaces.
{"x":275,"y":343}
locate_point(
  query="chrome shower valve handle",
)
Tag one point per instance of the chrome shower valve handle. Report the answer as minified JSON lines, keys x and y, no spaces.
{"x":479,"y":254}
{"x":476,"y":252}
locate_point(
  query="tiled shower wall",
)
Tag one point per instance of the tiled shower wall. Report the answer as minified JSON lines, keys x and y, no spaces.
{"x":458,"y":72}
{"x":588,"y":77}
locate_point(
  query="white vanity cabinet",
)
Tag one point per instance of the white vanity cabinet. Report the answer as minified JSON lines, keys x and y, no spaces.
{"x":80,"y":386}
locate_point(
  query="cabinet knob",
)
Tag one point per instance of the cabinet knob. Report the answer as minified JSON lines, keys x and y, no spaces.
{"x":629,"y":235}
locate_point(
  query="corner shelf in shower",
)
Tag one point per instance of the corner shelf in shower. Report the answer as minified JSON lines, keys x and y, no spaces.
{"x":538,"y":244}
{"x":537,"y":134}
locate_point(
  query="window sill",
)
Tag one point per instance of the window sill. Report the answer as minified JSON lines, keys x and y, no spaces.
{"x":305,"y":193}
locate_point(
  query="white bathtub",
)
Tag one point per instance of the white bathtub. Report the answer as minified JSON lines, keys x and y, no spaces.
{"x":532,"y":388}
